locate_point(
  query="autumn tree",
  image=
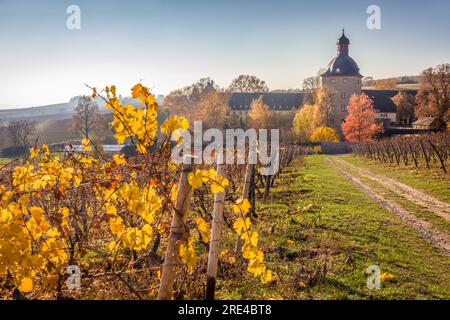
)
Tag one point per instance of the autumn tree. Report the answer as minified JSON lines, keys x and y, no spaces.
{"x":213,"y":109}
{"x":185,"y":101}
{"x":324,"y":134}
{"x":20,"y":132}
{"x":310,"y":86}
{"x":360,"y":123}
{"x":310,"y":83}
{"x":405,"y":104}
{"x":177,"y":103}
{"x":324,"y":111}
{"x":303,"y":122}
{"x":320,"y":112}
{"x":433,"y":98}
{"x":248,"y":83}
{"x":260,"y":116}
{"x":87,"y":117}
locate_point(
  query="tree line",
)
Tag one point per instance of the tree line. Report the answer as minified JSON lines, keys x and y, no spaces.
{"x":315,"y":120}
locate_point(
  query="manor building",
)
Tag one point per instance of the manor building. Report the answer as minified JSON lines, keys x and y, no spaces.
{"x":342,"y":77}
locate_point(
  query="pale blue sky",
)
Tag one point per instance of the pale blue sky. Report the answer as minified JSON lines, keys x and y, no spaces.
{"x":170,"y":44}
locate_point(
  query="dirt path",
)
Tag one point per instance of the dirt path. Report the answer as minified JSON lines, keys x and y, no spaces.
{"x":434,"y":205}
{"x":440,"y":239}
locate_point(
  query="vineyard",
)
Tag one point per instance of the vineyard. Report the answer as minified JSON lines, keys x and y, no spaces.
{"x":136,"y":228}
{"x":422,"y":151}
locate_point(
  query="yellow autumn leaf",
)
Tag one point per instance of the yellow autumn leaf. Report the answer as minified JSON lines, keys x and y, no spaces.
{"x":111,"y":209}
{"x":203,"y":228}
{"x":148,"y":217}
{"x":267,"y":277}
{"x":216,"y":188}
{"x":187,"y":254}
{"x":174,"y":123}
{"x":52,"y":233}
{"x":116,"y":225}
{"x":241,"y":225}
{"x":33,"y":152}
{"x":119,"y":159}
{"x":45,"y":149}
{"x":242,"y":206}
{"x":112,"y":245}
{"x":195,"y":179}
{"x":85,"y":144}
{"x":37,"y":213}
{"x":142,"y":149}
{"x":386,"y":276}
{"x":120,"y":137}
{"x":254,"y":238}
{"x":256,"y":267}
{"x":26,"y":285}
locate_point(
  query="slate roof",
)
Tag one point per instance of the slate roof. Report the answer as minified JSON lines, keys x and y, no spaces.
{"x":342,"y":65}
{"x":382,"y":101}
{"x":288,"y":101}
{"x":275,"y":100}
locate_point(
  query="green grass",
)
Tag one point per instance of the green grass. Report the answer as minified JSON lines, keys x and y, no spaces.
{"x":5,"y":160}
{"x":419,"y":211}
{"x":320,"y":234}
{"x":433,"y":181}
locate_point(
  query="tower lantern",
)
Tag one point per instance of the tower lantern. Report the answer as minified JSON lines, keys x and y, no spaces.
{"x":342,"y":44}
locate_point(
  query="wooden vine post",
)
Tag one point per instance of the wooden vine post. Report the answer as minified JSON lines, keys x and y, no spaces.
{"x":177,"y":235}
{"x":216,"y":234}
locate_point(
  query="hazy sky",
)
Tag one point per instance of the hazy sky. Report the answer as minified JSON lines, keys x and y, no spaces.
{"x":169,"y":44}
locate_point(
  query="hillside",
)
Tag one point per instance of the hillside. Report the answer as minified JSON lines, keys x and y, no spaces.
{"x":57,"y":111}
{"x":397,"y":83}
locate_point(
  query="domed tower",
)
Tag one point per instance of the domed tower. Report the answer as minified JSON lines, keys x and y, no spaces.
{"x":342,"y":77}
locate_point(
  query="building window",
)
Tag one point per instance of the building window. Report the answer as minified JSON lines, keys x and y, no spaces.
{"x":343,"y":95}
{"x":345,"y":81}
{"x":333,"y":81}
{"x":343,"y":108}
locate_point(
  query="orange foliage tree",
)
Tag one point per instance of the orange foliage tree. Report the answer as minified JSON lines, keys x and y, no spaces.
{"x":360,"y":123}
